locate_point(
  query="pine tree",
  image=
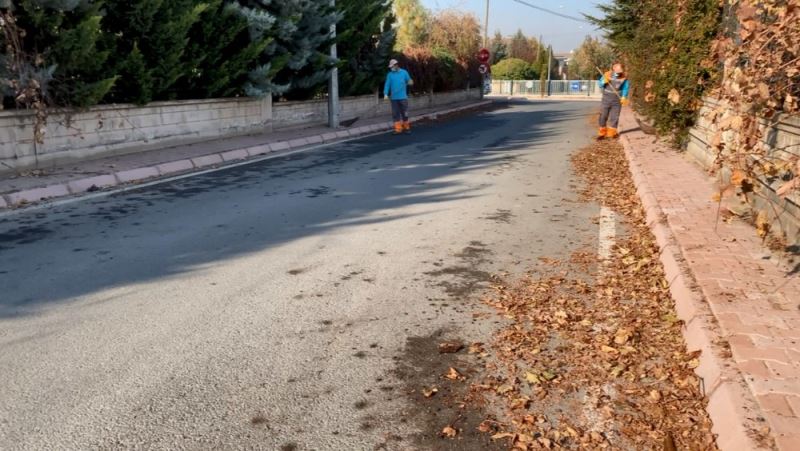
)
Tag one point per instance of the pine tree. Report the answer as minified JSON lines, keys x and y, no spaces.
{"x":297,"y":62}
{"x":365,"y":39}
{"x":520,"y":46}
{"x":64,"y":41}
{"x":153,"y":38}
{"x":221,"y":52}
{"x":498,"y":48}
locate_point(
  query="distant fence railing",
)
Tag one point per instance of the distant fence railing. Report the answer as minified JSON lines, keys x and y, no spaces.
{"x":576,"y":88}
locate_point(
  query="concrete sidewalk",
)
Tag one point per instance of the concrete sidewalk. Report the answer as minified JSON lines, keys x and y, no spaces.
{"x":107,"y":173}
{"x":740,"y":306}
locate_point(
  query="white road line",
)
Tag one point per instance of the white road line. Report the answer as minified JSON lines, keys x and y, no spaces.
{"x":607,"y":232}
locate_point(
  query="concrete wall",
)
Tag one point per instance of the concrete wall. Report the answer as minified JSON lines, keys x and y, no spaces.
{"x":783,"y":136}
{"x":117,"y":129}
{"x":314,"y":112}
{"x":120,"y":129}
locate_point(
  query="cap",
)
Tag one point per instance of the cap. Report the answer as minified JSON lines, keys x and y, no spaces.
{"x":392,"y":63}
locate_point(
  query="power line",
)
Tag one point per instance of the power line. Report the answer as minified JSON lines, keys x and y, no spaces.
{"x":555,"y":13}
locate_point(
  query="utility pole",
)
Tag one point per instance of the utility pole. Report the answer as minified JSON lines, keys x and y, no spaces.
{"x":333,"y":82}
{"x":538,"y":47}
{"x":549,"y":59}
{"x":486,"y":27}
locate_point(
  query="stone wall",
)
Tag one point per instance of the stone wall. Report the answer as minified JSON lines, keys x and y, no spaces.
{"x":117,"y":129}
{"x":782,"y":137}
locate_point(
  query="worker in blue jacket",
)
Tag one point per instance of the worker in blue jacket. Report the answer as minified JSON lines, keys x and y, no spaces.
{"x":615,"y":87}
{"x":396,"y":89}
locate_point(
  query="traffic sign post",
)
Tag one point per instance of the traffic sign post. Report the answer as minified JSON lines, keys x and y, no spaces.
{"x":483,"y":58}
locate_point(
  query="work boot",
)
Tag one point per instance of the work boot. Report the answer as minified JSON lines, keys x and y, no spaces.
{"x":398,"y":128}
{"x":602,"y":133}
{"x":612,"y":133}
{"x":407,"y":127}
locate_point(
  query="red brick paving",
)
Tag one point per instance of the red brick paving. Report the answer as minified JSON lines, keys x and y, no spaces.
{"x":738,"y":293}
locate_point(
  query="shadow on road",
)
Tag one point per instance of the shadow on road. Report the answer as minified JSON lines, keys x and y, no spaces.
{"x":169,"y":229}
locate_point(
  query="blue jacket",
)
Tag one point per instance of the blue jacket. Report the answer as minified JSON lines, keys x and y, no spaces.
{"x":617,"y":81}
{"x":397,"y":85}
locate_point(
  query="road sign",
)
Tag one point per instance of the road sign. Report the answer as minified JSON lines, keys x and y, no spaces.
{"x":483,"y":56}
{"x":487,"y":84}
{"x":483,"y":68}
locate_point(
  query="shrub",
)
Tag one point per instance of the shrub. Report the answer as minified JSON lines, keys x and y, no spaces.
{"x":513,"y":69}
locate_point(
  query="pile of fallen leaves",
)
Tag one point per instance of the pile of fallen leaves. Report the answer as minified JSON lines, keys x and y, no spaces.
{"x":597,"y":361}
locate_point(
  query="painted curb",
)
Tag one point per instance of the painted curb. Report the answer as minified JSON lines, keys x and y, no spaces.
{"x":731,"y":406}
{"x":79,"y":186}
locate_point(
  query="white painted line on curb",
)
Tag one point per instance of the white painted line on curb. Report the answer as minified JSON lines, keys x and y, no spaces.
{"x":608,"y":233}
{"x":122,"y":189}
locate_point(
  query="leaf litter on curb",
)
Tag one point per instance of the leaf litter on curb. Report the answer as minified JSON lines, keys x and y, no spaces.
{"x":594,"y":362}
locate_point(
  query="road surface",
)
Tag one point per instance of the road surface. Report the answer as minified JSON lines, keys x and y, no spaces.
{"x":289,"y":304}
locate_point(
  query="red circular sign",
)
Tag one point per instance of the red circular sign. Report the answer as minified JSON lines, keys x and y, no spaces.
{"x":483,"y":56}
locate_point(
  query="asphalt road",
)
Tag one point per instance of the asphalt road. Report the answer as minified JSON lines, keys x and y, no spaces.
{"x":293,"y":303}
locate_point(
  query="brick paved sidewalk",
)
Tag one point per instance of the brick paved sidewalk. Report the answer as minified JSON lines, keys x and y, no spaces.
{"x":738,"y":304}
{"x":87,"y":176}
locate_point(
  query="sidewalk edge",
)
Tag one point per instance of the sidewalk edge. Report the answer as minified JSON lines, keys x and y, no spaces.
{"x":78,"y":187}
{"x":731,"y":406}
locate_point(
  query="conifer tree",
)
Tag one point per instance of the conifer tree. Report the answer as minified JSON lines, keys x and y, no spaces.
{"x":365,"y":38}
{"x":221,"y":52}
{"x":498,"y":48}
{"x":64,"y":41}
{"x":296,"y":62}
{"x":153,"y":36}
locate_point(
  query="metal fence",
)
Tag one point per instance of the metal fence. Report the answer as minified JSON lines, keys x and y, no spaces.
{"x":573,"y":88}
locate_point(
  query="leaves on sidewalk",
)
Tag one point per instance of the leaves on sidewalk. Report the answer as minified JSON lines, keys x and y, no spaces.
{"x":598,"y":363}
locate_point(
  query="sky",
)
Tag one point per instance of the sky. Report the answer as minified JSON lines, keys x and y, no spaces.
{"x":508,"y":16}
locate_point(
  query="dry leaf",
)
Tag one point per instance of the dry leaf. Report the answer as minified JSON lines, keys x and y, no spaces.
{"x":453,"y":374}
{"x":622,"y":336}
{"x":674,"y":96}
{"x":501,"y":435}
{"x":450,"y":347}
{"x":428,"y":392}
{"x":505,"y":388}
{"x":762,"y":224}
{"x":449,"y":432}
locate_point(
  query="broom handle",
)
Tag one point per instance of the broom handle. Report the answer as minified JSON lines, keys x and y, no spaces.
{"x":609,"y":84}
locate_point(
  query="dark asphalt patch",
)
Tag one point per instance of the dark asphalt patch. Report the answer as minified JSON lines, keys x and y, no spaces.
{"x":466,"y":279}
{"x":421,"y":367}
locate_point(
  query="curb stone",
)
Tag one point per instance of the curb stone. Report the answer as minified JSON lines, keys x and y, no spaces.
{"x":730,"y":405}
{"x":80,"y":186}
{"x":84,"y":185}
{"x":133,"y":175}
